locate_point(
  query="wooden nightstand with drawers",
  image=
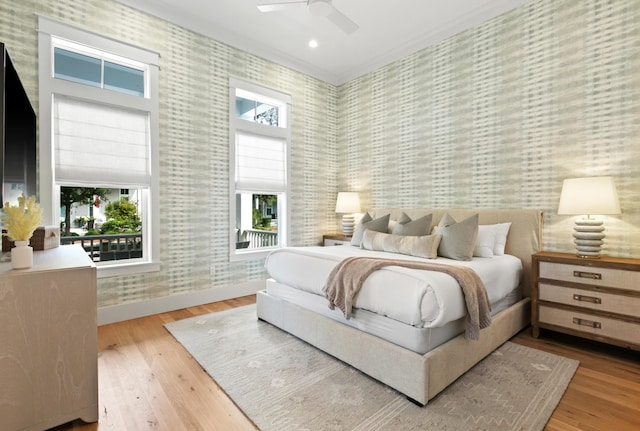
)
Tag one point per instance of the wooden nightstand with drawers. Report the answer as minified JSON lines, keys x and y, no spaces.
{"x":336,"y":239}
{"x":597,"y":299}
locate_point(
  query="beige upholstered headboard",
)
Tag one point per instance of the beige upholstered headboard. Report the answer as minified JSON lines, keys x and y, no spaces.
{"x":525,"y":234}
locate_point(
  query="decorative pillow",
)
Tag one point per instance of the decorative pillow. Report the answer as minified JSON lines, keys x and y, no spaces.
{"x":486,"y":241}
{"x":380,"y":224}
{"x":404,"y":218}
{"x":392,"y":226}
{"x":458,"y":238}
{"x":420,"y":246}
{"x":417,"y":227}
{"x":502,"y":230}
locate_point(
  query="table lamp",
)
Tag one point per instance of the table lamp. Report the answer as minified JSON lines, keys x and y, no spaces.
{"x":588,"y":196}
{"x":347,"y":204}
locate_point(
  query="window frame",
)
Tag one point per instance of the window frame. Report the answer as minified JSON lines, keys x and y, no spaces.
{"x":281,"y":131}
{"x":50,"y":32}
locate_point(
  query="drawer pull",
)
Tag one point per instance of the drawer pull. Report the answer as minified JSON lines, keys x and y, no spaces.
{"x":584,"y":274}
{"x":585,"y":322}
{"x":585,"y":298}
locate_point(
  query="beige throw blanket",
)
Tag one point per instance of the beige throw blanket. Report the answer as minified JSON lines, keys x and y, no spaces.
{"x":346,"y":279}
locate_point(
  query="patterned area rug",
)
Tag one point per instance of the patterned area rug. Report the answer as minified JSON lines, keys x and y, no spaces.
{"x":282,"y":383}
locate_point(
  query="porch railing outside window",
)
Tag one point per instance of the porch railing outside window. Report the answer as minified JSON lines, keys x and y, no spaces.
{"x":102,"y":248}
{"x":255,"y":238}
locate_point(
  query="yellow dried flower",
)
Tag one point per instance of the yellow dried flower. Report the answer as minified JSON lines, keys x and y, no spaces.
{"x":20,"y":221}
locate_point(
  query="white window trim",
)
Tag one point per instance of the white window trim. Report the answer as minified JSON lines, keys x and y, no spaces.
{"x":236,"y":124}
{"x":49,"y":192}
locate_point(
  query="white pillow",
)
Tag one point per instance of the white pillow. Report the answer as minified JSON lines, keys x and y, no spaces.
{"x":485,"y":244}
{"x":502,"y":230}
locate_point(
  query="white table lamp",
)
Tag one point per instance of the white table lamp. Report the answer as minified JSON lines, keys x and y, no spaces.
{"x":347,"y":204}
{"x":588,"y":196}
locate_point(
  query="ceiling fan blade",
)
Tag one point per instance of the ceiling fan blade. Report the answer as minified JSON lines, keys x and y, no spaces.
{"x":274,"y":7}
{"x":342,"y":21}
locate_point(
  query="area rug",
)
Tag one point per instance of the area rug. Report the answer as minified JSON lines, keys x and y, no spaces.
{"x":282,"y":383}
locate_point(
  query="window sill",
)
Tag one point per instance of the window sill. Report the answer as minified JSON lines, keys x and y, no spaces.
{"x":127,"y":268}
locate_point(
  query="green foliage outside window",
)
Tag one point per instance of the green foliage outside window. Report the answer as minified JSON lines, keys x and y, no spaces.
{"x":259,"y":222}
{"x":122,"y":217}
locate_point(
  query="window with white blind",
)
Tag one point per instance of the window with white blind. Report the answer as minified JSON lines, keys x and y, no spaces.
{"x":260,"y":162}
{"x":90,"y":139}
{"x":98,"y":136}
{"x":260,"y":141}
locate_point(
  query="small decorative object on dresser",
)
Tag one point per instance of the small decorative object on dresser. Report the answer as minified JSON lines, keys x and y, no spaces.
{"x":336,"y":239}
{"x":20,"y":222}
{"x":43,"y":238}
{"x":595,"y":299}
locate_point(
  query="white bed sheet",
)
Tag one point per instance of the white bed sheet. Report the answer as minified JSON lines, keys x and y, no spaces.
{"x":424,"y":299}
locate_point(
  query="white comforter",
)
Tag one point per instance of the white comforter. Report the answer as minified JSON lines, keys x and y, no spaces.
{"x":420,"y":298}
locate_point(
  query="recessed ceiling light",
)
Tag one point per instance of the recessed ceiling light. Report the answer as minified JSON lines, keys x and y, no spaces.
{"x":313,"y":43}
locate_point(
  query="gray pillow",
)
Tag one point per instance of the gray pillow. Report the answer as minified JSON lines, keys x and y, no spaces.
{"x":458,"y":238}
{"x":421,"y":246}
{"x":417,"y":227}
{"x":380,"y":224}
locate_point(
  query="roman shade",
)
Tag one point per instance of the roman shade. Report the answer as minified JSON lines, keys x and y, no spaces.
{"x":260,"y":163}
{"x":100,"y":145}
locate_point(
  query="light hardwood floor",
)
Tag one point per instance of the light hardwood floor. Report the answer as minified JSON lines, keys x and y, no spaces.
{"x":148,"y":381}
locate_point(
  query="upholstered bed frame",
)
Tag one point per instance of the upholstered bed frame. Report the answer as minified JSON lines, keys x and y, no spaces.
{"x":419,"y":377}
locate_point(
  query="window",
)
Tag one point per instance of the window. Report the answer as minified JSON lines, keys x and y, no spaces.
{"x":99,"y":137}
{"x":91,"y":67}
{"x":260,"y":141}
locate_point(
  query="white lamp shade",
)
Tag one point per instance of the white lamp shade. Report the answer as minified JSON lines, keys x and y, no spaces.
{"x":348,"y":202}
{"x":590,"y":195}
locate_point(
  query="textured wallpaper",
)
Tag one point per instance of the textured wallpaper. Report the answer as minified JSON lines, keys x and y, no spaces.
{"x":194,"y":141}
{"x":499,"y":115}
{"x":496,"y":116}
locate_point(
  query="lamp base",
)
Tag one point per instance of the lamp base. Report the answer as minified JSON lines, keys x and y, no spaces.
{"x":348,"y":224}
{"x":589,"y":236}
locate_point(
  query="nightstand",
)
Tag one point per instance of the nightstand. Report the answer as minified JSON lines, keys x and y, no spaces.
{"x":597,"y":299}
{"x":336,"y":239}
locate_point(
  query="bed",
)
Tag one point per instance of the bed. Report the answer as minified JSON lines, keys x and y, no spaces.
{"x":408,"y":344}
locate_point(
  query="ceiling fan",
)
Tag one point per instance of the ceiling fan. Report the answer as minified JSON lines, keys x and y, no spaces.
{"x":322,"y":8}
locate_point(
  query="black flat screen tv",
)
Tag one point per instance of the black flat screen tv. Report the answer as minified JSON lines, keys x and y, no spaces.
{"x":17,"y":135}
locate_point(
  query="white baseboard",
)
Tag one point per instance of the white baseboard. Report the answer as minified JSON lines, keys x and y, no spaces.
{"x":118,"y":313}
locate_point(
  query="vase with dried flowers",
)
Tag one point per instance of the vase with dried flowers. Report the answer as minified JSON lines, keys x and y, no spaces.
{"x":20,"y":222}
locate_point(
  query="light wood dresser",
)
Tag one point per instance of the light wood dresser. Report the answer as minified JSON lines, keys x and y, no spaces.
{"x":597,"y":299}
{"x":48,"y":341}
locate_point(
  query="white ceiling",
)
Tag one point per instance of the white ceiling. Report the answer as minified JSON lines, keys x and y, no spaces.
{"x":388,"y":29}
